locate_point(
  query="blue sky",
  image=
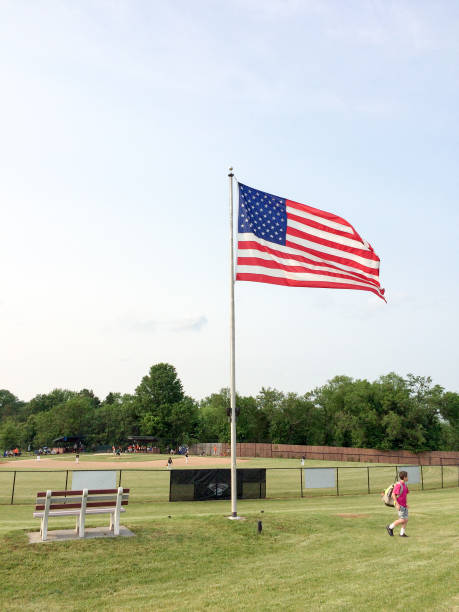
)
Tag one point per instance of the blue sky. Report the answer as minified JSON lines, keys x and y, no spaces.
{"x":118,"y":123}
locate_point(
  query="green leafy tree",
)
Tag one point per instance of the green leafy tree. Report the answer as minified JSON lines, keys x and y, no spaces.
{"x":46,"y":429}
{"x":89,"y":393}
{"x":161,"y":387}
{"x":330,"y":403}
{"x":213,"y":417}
{"x":175,"y":424}
{"x":111,"y":398}
{"x":115,"y":419}
{"x":10,"y":405}
{"x":10,"y":435}
{"x":163,"y":409}
{"x":269,"y":401}
{"x":409,"y":411}
{"x":29,"y":431}
{"x":46,"y":401}
{"x":76,"y":416}
{"x":392,"y":412}
{"x":449,"y":410}
{"x":183,"y":421}
{"x":297,"y":421}
{"x":152,"y":425}
{"x":252,"y":422}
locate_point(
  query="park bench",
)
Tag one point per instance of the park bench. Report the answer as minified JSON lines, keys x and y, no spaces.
{"x":79,"y":504}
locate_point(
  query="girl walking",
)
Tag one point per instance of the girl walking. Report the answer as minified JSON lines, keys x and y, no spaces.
{"x":399,"y":496}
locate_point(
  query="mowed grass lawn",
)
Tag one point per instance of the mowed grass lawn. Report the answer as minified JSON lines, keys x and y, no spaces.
{"x":308,"y":557}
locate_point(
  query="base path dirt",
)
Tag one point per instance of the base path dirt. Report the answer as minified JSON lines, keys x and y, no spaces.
{"x":118,"y":463}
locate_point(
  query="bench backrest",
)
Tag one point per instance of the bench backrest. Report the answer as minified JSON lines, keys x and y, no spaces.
{"x":97,"y":498}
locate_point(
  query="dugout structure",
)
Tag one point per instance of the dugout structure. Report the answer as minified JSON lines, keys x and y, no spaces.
{"x":204,"y":485}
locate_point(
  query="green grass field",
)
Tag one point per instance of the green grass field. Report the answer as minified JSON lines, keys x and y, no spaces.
{"x":309,"y":557}
{"x":315,"y":553}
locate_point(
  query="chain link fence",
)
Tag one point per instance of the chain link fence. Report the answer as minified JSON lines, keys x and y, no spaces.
{"x":152,"y":485}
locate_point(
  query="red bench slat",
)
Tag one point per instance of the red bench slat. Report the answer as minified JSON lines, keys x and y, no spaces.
{"x":88,"y":505}
{"x":90,"y":492}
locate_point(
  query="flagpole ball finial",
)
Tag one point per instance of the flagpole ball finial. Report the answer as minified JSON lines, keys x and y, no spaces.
{"x":231,"y":171}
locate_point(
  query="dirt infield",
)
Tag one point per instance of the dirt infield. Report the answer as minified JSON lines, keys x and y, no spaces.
{"x":118,"y":463}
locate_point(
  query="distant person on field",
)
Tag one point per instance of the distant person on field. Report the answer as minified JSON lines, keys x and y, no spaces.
{"x":399,"y":496}
{"x":302,"y":460}
{"x":186,"y":457}
{"x":169,"y":462}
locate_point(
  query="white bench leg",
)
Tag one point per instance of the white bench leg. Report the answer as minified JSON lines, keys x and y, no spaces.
{"x":83,"y":513}
{"x":119,"y":499}
{"x":44,"y":520}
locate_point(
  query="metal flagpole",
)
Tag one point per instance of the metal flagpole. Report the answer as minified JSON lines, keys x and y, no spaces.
{"x":232,"y":361}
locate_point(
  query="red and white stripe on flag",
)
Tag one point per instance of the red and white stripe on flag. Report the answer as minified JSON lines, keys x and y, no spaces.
{"x":286,"y":243}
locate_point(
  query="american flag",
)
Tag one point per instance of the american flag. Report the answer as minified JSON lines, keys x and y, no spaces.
{"x":286,"y":243}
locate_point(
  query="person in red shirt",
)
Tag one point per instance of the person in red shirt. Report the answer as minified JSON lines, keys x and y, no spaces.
{"x":399,"y":496}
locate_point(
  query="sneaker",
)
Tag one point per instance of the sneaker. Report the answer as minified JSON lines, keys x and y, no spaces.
{"x":389,"y":530}
{"x":403,"y":535}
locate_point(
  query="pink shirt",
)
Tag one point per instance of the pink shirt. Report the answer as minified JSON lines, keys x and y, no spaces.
{"x":401,"y":499}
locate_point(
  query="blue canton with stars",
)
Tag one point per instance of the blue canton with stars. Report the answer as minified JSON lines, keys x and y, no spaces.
{"x":262,"y":214}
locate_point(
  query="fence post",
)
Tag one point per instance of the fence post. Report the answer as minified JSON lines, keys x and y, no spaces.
{"x":396,"y":472}
{"x":422,"y":479}
{"x":442,"y":475}
{"x":368,"y":478}
{"x":337,"y":481}
{"x":14,"y":483}
{"x":119,"y":481}
{"x":301,"y":481}
{"x":66,"y":480}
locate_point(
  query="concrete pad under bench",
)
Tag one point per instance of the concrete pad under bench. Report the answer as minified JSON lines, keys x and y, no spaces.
{"x":63,"y":535}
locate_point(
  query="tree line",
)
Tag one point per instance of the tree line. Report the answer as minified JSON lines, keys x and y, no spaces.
{"x":390,"y":413}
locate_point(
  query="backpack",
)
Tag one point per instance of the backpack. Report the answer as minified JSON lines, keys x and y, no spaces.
{"x":387,"y":495}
